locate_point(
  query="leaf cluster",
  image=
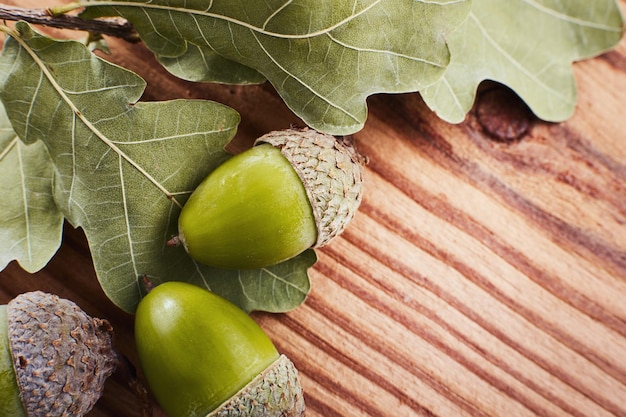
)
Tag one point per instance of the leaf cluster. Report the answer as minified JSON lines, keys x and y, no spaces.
{"x":80,"y":147}
{"x":76,"y":143}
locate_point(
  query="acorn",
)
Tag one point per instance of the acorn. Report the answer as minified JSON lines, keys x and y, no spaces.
{"x":54,"y":358}
{"x":294,"y":190}
{"x":203,"y":356}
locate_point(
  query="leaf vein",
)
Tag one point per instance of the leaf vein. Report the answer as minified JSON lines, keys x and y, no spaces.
{"x":27,"y":220}
{"x":570,"y":19}
{"x":305,"y":85}
{"x":512,"y":60}
{"x":128,"y":235}
{"x":385,"y":52}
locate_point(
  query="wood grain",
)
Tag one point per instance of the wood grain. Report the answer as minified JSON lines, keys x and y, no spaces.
{"x":485,"y":274}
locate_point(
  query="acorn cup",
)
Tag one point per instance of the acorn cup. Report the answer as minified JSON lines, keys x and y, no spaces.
{"x":203,"y":356}
{"x":294,"y":190}
{"x":54,"y":358}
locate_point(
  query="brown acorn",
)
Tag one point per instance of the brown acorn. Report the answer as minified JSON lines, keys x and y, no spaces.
{"x":54,"y":358}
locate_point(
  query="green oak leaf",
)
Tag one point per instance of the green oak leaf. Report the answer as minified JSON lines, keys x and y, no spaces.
{"x":202,"y":64}
{"x":528,"y":45}
{"x":323,"y":58}
{"x":31,"y":224}
{"x":124,"y":168}
{"x":276,"y":289}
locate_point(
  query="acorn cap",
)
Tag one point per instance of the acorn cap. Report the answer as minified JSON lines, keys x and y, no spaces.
{"x":331,"y":173}
{"x":276,"y":392}
{"x":61,"y":355}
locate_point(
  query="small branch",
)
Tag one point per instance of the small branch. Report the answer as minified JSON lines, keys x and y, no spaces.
{"x":116,"y":27}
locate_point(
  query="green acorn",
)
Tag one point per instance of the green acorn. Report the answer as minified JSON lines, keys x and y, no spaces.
{"x":202,"y":356}
{"x":54,"y":358}
{"x":295,"y":189}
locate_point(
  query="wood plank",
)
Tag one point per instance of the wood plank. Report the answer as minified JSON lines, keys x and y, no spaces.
{"x":481,"y":277}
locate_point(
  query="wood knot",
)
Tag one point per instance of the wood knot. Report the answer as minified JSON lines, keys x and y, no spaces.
{"x":502,"y":114}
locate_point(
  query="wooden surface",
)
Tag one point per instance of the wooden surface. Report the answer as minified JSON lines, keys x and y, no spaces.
{"x":483,"y":275}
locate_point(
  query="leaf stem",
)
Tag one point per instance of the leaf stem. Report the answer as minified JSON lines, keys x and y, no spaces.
{"x":9,"y":31}
{"x":55,"y":17}
{"x":64,"y":8}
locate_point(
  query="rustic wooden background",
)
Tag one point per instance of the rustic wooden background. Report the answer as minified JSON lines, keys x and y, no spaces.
{"x":485,"y":274}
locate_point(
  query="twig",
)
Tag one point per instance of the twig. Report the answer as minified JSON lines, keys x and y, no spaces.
{"x":116,"y":27}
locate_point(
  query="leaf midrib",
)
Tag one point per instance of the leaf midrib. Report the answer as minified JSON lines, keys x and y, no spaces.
{"x":77,"y":113}
{"x":206,"y":13}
